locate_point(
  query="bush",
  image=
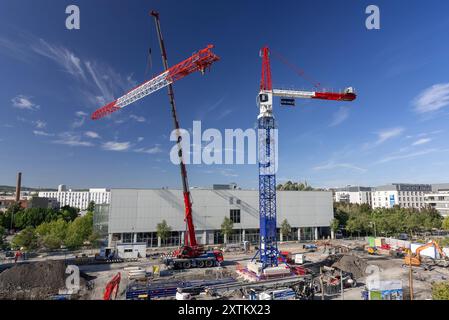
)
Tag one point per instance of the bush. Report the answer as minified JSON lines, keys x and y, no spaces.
{"x":440,"y":291}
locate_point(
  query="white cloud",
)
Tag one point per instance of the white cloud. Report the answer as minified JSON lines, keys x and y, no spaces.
{"x":153,"y":150}
{"x":387,"y":134}
{"x":421,"y":141}
{"x":332,"y":165}
{"x":116,"y":146}
{"x":137,"y":118}
{"x":340,"y":116}
{"x":140,"y":139}
{"x":92,"y":134}
{"x":24,"y":102}
{"x":74,"y":140}
{"x":40,"y":124}
{"x":42,"y":133}
{"x":432,"y":99}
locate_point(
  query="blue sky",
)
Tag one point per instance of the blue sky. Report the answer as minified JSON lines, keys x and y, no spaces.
{"x":52,"y":78}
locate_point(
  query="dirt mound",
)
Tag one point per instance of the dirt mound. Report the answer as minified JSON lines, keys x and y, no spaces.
{"x":37,"y":280}
{"x":351,"y":264}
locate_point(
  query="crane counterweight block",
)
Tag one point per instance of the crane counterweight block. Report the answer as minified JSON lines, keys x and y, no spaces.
{"x":199,"y":61}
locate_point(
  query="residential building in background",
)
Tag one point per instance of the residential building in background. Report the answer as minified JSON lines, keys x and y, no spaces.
{"x":401,"y":194}
{"x":354,"y":194}
{"x":77,"y":198}
{"x":439,"y":198}
{"x":133,"y":215}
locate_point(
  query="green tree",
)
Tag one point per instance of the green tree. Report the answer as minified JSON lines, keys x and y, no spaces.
{"x":79,"y":231}
{"x":2,"y":237}
{"x":9,"y":215}
{"x":445,"y":223}
{"x":26,"y":238}
{"x":226,"y":227}
{"x":91,"y":206}
{"x":163,"y":230}
{"x":440,"y":291}
{"x":69,"y":213}
{"x":335,"y":225}
{"x":52,"y":234}
{"x":286,"y":229}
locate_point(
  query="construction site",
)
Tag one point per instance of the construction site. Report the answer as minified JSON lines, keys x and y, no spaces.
{"x":322,"y":268}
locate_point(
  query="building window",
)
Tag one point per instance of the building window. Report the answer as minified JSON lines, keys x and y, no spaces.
{"x":235,"y":215}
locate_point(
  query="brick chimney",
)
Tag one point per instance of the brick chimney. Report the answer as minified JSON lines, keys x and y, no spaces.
{"x":18,"y":186}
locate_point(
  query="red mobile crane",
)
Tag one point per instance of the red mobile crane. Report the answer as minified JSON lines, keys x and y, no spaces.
{"x":190,"y":254}
{"x":112,"y":287}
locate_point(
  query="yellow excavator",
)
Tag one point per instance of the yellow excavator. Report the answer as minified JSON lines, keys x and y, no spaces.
{"x":415,"y":260}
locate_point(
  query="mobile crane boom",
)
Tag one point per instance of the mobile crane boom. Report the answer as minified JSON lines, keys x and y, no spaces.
{"x":189,"y":238}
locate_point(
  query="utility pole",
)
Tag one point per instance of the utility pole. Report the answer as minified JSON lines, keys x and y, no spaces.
{"x":410,"y":279}
{"x":342,"y":287}
{"x":321,"y":283}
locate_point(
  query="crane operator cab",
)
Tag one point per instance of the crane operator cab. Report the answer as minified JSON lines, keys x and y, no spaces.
{"x":265,"y":102}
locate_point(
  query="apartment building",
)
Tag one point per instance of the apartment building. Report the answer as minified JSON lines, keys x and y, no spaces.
{"x":439,"y":198}
{"x":401,"y":194}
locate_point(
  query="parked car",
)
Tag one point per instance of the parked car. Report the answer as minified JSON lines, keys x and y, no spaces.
{"x":403,"y":236}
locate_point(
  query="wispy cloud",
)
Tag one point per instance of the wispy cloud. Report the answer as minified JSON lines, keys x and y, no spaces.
{"x":92,"y":134}
{"x":333,"y":165}
{"x":80,"y":119}
{"x":72,"y":139}
{"x":388,"y":134}
{"x":432,"y":99}
{"x":153,"y":150}
{"x":42,"y":133}
{"x":24,"y":102}
{"x":140,"y":139}
{"x":62,"y":56}
{"x":421,"y":141}
{"x":407,"y":155}
{"x":339,"y":117}
{"x":96,"y":82}
{"x":116,"y":146}
{"x":137,"y":118}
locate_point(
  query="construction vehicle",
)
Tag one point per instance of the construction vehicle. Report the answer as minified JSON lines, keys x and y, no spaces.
{"x":112,"y":287}
{"x":190,"y":254}
{"x":416,"y":260}
{"x":268,"y":253}
{"x":371,"y":250}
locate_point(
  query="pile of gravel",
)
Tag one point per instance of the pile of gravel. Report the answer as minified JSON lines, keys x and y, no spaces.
{"x":36,"y":280}
{"x":352,"y":264}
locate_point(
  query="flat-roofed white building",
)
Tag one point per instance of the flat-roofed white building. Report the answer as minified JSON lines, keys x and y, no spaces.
{"x":133,"y":214}
{"x":354,"y":194}
{"x":78,"y":199}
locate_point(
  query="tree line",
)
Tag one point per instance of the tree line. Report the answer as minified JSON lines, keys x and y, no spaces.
{"x":357,"y":219}
{"x":295,"y":186}
{"x":47,"y":228}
